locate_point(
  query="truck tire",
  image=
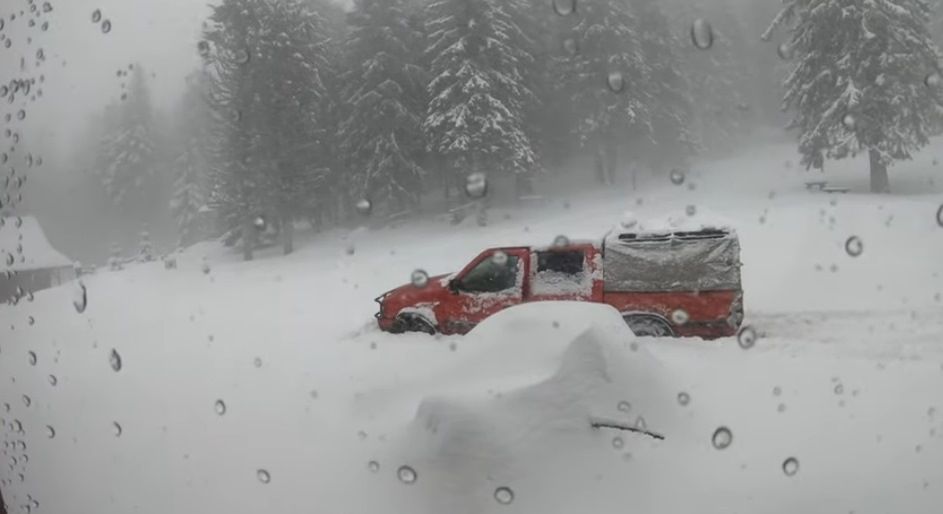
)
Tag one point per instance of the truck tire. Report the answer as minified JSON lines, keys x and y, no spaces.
{"x":648,"y":326}
{"x":412,"y":323}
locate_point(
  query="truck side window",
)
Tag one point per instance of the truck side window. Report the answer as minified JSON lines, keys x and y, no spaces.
{"x":491,"y":277}
{"x":561,"y":273}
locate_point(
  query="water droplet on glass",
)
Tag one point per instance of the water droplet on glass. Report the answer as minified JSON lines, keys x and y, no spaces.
{"x":27,"y":401}
{"x":616,"y":81}
{"x":53,"y":380}
{"x":499,"y":258}
{"x":45,"y":26}
{"x":407,"y":475}
{"x":205,"y":268}
{"x":853,"y":246}
{"x":690,"y":210}
{"x":504,"y":495}
{"x":571,"y":46}
{"x":259,"y":223}
{"x":939,"y":216}
{"x":617,"y":443}
{"x":21,"y":115}
{"x":50,"y":432}
{"x":203,"y":47}
{"x":32,"y":358}
{"x":242,"y":56}
{"x":680,"y":317}
{"x":839,"y":389}
{"x":47,"y":7}
{"x":106,"y":26}
{"x":419,"y":278}
{"x":373,"y":466}
{"x":31,"y":321}
{"x":79,"y":297}
{"x":364,"y":207}
{"x":117,"y":428}
{"x":722,"y":438}
{"x":220,"y":407}
{"x":849,"y":122}
{"x":257,"y":362}
{"x":677,"y":177}
{"x":777,"y":391}
{"x":263,"y":476}
{"x":702,"y":34}
{"x":561,"y":241}
{"x":564,"y":7}
{"x":684,"y":399}
{"x":115,"y":360}
{"x":791,"y":466}
{"x":746,"y":338}
{"x":781,"y":407}
{"x":624,"y":406}
{"x":933,"y":80}
{"x":476,"y":185}
{"x":785,"y":51}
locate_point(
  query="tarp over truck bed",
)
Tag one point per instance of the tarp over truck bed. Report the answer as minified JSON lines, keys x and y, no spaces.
{"x":698,"y":260}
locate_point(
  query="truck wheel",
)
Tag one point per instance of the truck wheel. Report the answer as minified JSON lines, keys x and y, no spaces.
{"x":648,"y":326}
{"x":412,"y":323}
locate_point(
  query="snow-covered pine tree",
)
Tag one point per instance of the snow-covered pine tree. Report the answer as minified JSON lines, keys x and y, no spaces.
{"x":667,"y":141}
{"x":146,"y":248}
{"x":385,"y":91}
{"x":603,"y":78}
{"x":862,"y":80}
{"x":127,"y":155}
{"x":191,"y":164}
{"x":475,"y":121}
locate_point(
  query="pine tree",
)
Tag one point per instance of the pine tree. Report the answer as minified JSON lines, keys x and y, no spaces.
{"x":192,"y":161}
{"x":603,"y":76}
{"x":862,"y":80}
{"x":476,"y":118}
{"x":127,"y":156}
{"x":382,"y":135}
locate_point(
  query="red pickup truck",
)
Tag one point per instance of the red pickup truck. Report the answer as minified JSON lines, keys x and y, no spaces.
{"x":664,"y":282}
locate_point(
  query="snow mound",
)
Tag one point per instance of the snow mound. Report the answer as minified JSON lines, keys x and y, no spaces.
{"x":696,"y":219}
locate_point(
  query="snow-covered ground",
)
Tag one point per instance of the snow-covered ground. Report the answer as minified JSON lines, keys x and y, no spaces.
{"x":847,"y":377}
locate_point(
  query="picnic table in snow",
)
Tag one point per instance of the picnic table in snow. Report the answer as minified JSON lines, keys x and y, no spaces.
{"x":822,"y":186}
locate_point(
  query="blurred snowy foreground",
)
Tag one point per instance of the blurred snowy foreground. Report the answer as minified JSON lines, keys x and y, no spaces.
{"x":265,"y":387}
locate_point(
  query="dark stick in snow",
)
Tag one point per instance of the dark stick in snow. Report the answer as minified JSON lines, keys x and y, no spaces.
{"x":598,"y":423}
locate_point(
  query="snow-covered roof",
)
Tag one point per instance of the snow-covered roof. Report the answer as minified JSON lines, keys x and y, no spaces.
{"x":37,"y":252}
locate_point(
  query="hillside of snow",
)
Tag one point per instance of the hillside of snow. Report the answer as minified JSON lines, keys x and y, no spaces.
{"x":320,"y":411}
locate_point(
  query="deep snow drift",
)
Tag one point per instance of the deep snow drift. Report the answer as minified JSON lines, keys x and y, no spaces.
{"x":847,"y":376}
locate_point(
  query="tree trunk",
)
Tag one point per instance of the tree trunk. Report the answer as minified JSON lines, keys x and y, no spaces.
{"x":879,"y":180}
{"x":612,"y":162}
{"x":288,"y":235}
{"x":600,"y":164}
{"x":248,"y":238}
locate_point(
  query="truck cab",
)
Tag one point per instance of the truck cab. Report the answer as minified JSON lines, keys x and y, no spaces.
{"x":656,"y":298}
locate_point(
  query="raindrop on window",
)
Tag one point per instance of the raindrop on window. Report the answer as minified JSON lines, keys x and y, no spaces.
{"x":853,"y":246}
{"x":690,"y":210}
{"x":939,"y":216}
{"x":684,"y":399}
{"x":561,"y":241}
{"x":616,"y":81}
{"x":106,"y":26}
{"x":263,"y":476}
{"x":785,"y":51}
{"x":117,"y":428}
{"x":680,"y":317}
{"x":564,"y":7}
{"x":571,"y":46}
{"x":203,"y":47}
{"x":791,"y":466}
{"x":373,"y":466}
{"x":53,"y":380}
{"x":722,"y":438}
{"x":206,"y":268}
{"x":31,"y":321}
{"x":50,"y":432}
{"x":114,"y":359}
{"x":242,"y":56}
{"x":849,"y":122}
{"x":499,"y":258}
{"x":777,"y":391}
{"x":259,"y":223}
{"x":476,"y":185}
{"x":624,"y":406}
{"x":677,"y":177}
{"x":257,"y":362}
{"x":781,"y":407}
{"x":45,"y":26}
{"x":32,"y":358}
{"x":220,"y":407}
{"x":702,"y":34}
{"x":79,"y":297}
{"x":933,"y":80}
{"x":47,"y":7}
{"x":617,"y":443}
{"x":21,"y":115}
{"x":839,"y":389}
{"x":504,"y":495}
{"x":407,"y":475}
{"x":27,"y":401}
{"x":364,"y":207}
{"x":746,"y":338}
{"x":419,"y":278}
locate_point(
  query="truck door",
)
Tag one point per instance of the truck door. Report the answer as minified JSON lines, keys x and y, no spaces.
{"x":564,"y":274}
{"x":491,"y":283}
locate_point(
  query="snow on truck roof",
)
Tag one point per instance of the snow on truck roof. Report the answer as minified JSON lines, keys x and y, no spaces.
{"x":37,"y":252}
